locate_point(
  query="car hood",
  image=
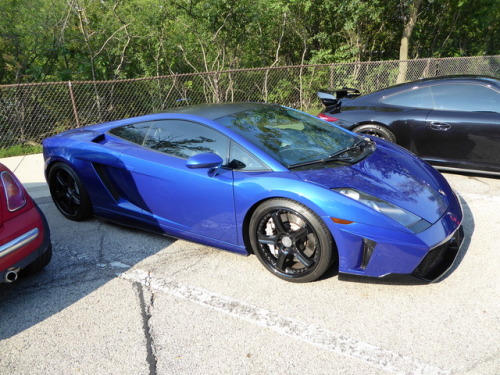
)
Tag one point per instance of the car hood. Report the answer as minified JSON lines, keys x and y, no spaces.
{"x":394,"y":175}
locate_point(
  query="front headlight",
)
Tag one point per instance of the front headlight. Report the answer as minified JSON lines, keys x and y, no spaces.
{"x":399,"y":214}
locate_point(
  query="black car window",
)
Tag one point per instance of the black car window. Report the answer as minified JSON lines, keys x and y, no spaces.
{"x":418,"y":97}
{"x":465,"y":97}
{"x":243,"y":160}
{"x":179,"y":138}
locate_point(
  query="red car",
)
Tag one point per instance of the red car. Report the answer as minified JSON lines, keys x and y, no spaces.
{"x":25,"y":245}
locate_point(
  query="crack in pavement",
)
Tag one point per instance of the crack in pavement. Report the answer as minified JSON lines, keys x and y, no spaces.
{"x":346,"y":346}
{"x":147,"y":328}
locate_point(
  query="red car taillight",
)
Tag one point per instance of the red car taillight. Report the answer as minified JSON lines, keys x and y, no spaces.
{"x":13,"y":192}
{"x":327,"y":118}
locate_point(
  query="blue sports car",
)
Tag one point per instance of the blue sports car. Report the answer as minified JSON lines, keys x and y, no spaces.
{"x":299,"y":193}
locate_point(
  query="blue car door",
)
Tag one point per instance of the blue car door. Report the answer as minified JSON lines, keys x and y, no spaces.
{"x":192,"y":202}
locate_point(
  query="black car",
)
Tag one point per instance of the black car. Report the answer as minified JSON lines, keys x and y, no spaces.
{"x":453,"y":122}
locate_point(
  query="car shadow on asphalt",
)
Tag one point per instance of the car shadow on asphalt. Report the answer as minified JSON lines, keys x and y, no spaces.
{"x":87,"y":255}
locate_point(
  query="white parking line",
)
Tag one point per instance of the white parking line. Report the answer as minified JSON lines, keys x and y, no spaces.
{"x":372,"y":355}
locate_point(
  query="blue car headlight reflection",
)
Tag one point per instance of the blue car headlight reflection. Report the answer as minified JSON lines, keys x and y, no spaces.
{"x":399,"y":214}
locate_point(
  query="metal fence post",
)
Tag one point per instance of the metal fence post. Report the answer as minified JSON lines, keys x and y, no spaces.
{"x":73,"y":103}
{"x":330,"y":86}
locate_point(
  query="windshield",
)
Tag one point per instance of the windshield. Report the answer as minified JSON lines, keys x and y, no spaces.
{"x":290,"y":136}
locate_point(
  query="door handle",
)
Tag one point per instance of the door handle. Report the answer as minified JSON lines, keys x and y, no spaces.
{"x":442,"y":126}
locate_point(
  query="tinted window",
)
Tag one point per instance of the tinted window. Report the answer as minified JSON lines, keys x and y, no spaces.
{"x":414,"y":98}
{"x":287,"y":135}
{"x":176,"y":137}
{"x":465,"y":97}
{"x":134,"y":133}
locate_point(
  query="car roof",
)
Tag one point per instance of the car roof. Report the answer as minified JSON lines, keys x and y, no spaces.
{"x":449,"y":79}
{"x":209,"y":112}
{"x":459,"y":78}
{"x":215,"y":111}
{"x":389,"y":90}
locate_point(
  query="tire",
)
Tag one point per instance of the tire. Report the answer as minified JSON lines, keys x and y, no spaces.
{"x":38,"y":264}
{"x":290,"y":240}
{"x":376,"y":131}
{"x":68,"y":193}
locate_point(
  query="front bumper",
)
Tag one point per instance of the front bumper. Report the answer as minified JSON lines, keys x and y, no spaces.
{"x":439,"y":260}
{"x":377,"y":252}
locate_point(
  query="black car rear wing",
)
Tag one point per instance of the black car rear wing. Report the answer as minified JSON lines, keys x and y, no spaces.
{"x":329,"y":98}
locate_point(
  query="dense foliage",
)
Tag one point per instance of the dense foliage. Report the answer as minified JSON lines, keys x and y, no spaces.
{"x":52,"y":40}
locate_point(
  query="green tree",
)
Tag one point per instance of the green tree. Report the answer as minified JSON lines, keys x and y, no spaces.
{"x":47,"y":40}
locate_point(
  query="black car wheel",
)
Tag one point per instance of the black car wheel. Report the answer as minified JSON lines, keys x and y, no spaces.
{"x":68,"y":193}
{"x":376,"y":131}
{"x":290,"y":240}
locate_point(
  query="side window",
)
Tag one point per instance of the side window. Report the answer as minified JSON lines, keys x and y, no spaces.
{"x":134,"y":133}
{"x":413,"y":98}
{"x":465,"y":97}
{"x":175,"y":137}
{"x":242,"y":160}
{"x":185,"y":139}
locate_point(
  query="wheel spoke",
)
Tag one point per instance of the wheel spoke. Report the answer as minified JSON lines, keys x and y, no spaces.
{"x":278,"y":223}
{"x":307,"y":262}
{"x":282,"y":259}
{"x":75,"y":198}
{"x":267,"y":240}
{"x":61,"y":181}
{"x":299,"y":235}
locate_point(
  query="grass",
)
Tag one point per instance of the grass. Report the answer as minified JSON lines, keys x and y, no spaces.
{"x":20,"y":150}
{"x":314,"y":110}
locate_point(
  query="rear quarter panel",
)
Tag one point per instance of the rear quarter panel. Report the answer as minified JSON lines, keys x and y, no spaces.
{"x":17,"y":223}
{"x":80,"y":154}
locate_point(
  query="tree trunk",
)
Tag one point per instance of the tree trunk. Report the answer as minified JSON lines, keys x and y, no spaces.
{"x":413,"y":6}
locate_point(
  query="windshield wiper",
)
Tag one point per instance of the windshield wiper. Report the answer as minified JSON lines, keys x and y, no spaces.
{"x":340,"y":155}
{"x":359,"y":145}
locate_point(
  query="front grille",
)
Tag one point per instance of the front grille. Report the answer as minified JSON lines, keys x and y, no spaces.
{"x":440,"y":259}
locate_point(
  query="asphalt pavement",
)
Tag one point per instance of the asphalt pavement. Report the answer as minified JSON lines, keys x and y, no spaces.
{"x":115,"y":300}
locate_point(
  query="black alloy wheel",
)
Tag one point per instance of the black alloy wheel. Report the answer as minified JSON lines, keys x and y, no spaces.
{"x":376,"y":131}
{"x":290,"y":240}
{"x":68,"y":193}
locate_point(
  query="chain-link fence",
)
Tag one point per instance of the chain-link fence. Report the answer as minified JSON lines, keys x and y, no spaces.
{"x":31,"y":112}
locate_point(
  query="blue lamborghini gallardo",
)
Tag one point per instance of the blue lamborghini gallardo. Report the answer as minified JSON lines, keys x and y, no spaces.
{"x":301,"y":194}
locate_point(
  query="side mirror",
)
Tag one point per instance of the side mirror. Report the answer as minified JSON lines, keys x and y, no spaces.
{"x":204,"y":160}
